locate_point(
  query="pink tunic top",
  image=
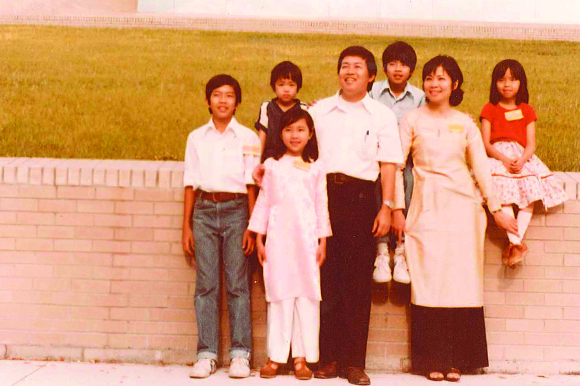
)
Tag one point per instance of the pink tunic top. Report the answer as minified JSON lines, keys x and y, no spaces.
{"x":292,"y":209}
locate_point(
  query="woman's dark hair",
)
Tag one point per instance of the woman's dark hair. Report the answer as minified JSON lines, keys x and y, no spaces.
{"x":286,"y":70}
{"x":518,"y":73}
{"x":363,"y":53}
{"x":452,"y":69}
{"x":402,"y":52}
{"x":223,"y":80}
{"x":310,"y":152}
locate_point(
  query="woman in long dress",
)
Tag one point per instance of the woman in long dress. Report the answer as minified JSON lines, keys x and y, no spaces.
{"x":445,"y":228}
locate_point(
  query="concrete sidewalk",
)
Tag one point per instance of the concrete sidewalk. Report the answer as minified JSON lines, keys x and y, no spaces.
{"x":37,"y":373}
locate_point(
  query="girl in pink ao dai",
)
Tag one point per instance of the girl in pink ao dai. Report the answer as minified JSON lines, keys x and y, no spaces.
{"x":292,"y":209}
{"x":508,"y":127}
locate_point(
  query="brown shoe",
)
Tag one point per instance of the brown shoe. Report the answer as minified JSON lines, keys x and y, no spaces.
{"x":301,"y":371}
{"x":270,"y":370}
{"x":357,"y":376}
{"x":327,"y":371}
{"x":505,"y":254}
{"x":517,"y":254}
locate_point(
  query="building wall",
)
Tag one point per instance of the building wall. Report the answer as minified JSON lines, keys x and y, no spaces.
{"x":91,"y":268}
{"x":66,"y":7}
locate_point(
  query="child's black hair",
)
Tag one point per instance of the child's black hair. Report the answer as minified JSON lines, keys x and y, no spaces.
{"x":402,"y":52}
{"x":363,"y":53}
{"x":518,"y":73}
{"x":452,"y":69}
{"x":223,"y":80}
{"x":310,"y":152}
{"x":286,"y":70}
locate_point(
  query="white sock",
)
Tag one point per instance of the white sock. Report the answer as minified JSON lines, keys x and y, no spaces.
{"x":514,"y":239}
{"x":524,"y":219}
{"x":382,"y":248}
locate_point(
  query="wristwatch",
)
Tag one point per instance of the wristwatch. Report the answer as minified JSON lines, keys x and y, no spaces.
{"x":389,"y":203}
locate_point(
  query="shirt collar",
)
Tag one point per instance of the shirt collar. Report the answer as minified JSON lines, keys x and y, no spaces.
{"x":407,"y":91}
{"x":233,"y":126}
{"x":336,"y":101}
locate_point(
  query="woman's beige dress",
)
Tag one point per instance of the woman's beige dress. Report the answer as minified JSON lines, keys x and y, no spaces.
{"x":445,"y":226}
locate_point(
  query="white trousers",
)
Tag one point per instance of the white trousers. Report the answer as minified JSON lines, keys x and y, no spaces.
{"x":295,"y":320}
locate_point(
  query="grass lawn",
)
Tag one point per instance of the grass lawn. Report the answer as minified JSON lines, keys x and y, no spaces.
{"x":137,"y":93}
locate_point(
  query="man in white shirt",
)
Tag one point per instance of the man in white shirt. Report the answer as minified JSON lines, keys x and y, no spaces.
{"x":358,"y":138}
{"x":219,"y":197}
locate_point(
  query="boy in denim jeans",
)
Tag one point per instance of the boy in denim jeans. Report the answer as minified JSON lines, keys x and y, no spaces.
{"x":219,"y":196}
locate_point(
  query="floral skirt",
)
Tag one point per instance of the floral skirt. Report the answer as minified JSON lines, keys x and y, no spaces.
{"x":534,"y":183}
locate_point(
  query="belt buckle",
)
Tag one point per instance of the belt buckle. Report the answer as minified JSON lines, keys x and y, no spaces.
{"x":339,"y":178}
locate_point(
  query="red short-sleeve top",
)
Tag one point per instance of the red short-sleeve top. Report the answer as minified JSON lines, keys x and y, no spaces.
{"x":508,"y":124}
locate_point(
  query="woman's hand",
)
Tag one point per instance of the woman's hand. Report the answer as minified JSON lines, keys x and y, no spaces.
{"x":261,"y":249}
{"x":258,"y":174}
{"x":321,"y":252}
{"x":507,"y":163}
{"x":506,"y":222}
{"x":517,"y":165}
{"x":398,"y":224}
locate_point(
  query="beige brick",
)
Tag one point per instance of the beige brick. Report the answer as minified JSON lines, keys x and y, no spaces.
{"x":170,"y":208}
{"x":175,"y":222}
{"x":130,"y":260}
{"x":524,"y":353}
{"x":74,"y":175}
{"x":184,"y":275}
{"x":134,"y":207}
{"x":568,"y":300}
{"x":493,"y":324}
{"x":76,"y":192}
{"x":34,"y":244}
{"x":148,"y":274}
{"x":111,"y":246}
{"x":60,"y":176}
{"x":150,"y":247}
{"x":93,"y":286}
{"x":494,"y":298}
{"x":178,"y":315}
{"x":572,"y":206}
{"x":561,"y":353}
{"x":8,"y":217}
{"x":524,"y":325}
{"x":33,"y":218}
{"x":94,"y":233}
{"x":550,"y":286}
{"x":538,"y":220}
{"x":563,"y":220}
{"x":178,"y":195}
{"x":124,"y":177}
{"x":507,"y":338}
{"x":7,"y":270}
{"x":87,"y":340}
{"x":501,"y":311}
{"x":32,"y":270}
{"x":9,"y":190}
{"x":388,"y":335}
{"x":563,"y":246}
{"x":572,"y":234}
{"x":130,"y":314}
{"x":36,"y":191}
{"x":116,"y":194}
{"x":522,"y":298}
{"x":571,"y":286}
{"x":145,"y":327}
{"x":71,"y":271}
{"x":128,"y":341}
{"x":172,"y":235}
{"x":73,"y":245}
{"x":17,"y":230}
{"x":112,"y":177}
{"x":164,"y":178}
{"x":90,"y":299}
{"x":51,"y":284}
{"x":57,"y":206}
{"x":150,"y":178}
{"x":572,"y":313}
{"x":132,"y":287}
{"x":539,"y":312}
{"x":113,"y":220}
{"x":187,"y":302}
{"x":31,"y":297}
{"x":533,"y":339}
{"x":95,"y":206}
{"x":493,"y":271}
{"x":154,"y":195}
{"x":563,"y":273}
{"x":16,"y":283}
{"x":564,"y":326}
{"x":544,"y":233}
{"x":138,"y":300}
{"x":84,"y":313}
{"x":138,"y":234}
{"x":572,"y":260}
{"x":526,"y":272}
{"x":98,"y":176}
{"x":110,"y":273}
{"x":571,"y":340}
{"x":544,"y":259}
{"x":138,"y":178}
{"x":76,"y":219}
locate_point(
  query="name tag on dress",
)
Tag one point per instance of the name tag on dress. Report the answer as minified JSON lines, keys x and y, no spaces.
{"x":300,"y":164}
{"x":455,"y":127}
{"x":251,"y":150}
{"x":514,"y":115}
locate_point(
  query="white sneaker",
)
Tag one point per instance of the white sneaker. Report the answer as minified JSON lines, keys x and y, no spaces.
{"x":203,"y":368}
{"x":239,"y":368}
{"x":401,"y":271}
{"x":382,"y":272}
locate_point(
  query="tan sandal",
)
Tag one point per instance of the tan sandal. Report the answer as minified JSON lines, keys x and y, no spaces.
{"x":505,"y":254}
{"x":301,"y":371}
{"x":436,"y":376}
{"x":455,"y":375}
{"x":270,"y":370}
{"x":517,"y":254}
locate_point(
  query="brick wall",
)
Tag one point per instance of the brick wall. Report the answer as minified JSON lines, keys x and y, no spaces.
{"x":91,"y":268}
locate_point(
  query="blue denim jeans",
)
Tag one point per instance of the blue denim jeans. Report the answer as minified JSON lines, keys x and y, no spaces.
{"x":408,"y":182}
{"x":218,"y":230}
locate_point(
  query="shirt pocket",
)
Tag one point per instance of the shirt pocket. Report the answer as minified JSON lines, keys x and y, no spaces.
{"x":368,"y":144}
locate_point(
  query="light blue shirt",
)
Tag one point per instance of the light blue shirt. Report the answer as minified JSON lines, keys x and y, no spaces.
{"x":411,"y":98}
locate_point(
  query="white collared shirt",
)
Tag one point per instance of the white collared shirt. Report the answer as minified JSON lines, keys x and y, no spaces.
{"x":411,"y":98}
{"x":354,"y":137}
{"x":221,"y":162}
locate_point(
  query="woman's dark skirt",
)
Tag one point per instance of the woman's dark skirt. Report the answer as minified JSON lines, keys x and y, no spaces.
{"x":442,"y":338}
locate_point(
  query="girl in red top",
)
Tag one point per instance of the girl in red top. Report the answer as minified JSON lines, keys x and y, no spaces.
{"x":508,"y":127}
